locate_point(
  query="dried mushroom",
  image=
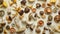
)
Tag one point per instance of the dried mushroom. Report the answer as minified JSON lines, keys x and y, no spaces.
{"x":48,"y":10}
{"x":55,"y":9}
{"x":37,"y":30}
{"x":41,"y":13}
{"x":12,"y":30}
{"x":43,"y":5}
{"x":57,"y":18}
{"x":40,"y":23}
{"x":50,"y":18}
{"x":7,"y":27}
{"x":2,"y":13}
{"x":27,"y":10}
{"x":38,"y":5}
{"x":21,"y":12}
{"x":33,"y":10}
{"x":23,"y":2}
{"x":49,"y":23}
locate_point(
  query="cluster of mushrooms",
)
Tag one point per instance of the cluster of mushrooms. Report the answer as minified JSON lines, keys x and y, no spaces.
{"x":29,"y":16}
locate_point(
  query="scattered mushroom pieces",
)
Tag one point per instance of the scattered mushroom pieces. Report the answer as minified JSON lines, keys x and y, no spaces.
{"x":19,"y":16}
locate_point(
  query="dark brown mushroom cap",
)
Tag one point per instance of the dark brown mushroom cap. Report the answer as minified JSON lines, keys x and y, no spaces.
{"x":7,"y":27}
{"x":38,"y":5}
{"x":26,"y":10}
{"x":41,"y":12}
{"x":23,"y":2}
{"x":21,"y":12}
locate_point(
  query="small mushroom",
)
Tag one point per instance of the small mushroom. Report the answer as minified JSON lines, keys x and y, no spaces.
{"x":50,"y":18}
{"x":55,"y":9}
{"x":33,"y":10}
{"x":43,"y":5}
{"x":23,"y":2}
{"x":27,"y":10}
{"x":48,"y":10}
{"x":2,"y":13}
{"x":12,"y":30}
{"x":21,"y":12}
{"x":38,"y":5}
{"x":8,"y":27}
{"x":40,"y":23}
{"x":41,"y":13}
{"x":37,"y":30}
{"x":49,"y":23}
{"x":57,"y":18}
